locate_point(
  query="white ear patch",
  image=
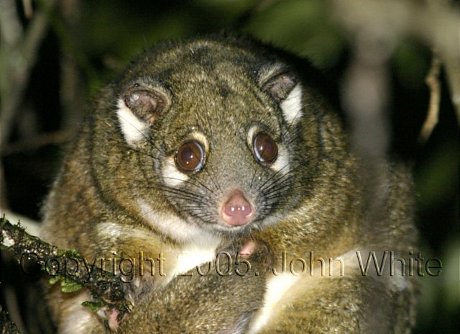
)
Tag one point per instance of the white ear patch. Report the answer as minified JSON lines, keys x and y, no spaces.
{"x":292,"y":105}
{"x":132,"y":127}
{"x":171,"y":175}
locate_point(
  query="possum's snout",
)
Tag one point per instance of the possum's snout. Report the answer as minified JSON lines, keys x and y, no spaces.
{"x":237,"y":210}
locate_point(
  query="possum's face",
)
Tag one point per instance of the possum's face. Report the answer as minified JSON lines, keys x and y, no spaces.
{"x":222,"y":127}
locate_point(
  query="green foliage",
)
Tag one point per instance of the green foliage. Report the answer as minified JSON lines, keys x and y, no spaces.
{"x":67,"y":285}
{"x":71,"y":253}
{"x":411,"y":64}
{"x":304,"y":27}
{"x":94,"y":306}
{"x":435,"y":180}
{"x":54,"y":279}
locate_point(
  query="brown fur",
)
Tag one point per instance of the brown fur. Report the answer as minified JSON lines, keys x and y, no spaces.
{"x":218,"y":85}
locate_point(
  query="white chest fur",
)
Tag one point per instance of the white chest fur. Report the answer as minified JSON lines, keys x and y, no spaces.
{"x":277,"y":286}
{"x":199,"y":246}
{"x":287,"y":286}
{"x":193,"y":256}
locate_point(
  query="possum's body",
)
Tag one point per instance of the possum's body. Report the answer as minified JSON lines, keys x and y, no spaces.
{"x":224,"y":144}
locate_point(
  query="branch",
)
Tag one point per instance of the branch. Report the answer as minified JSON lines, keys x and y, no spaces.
{"x":434,"y":23}
{"x":68,"y":267}
{"x":18,"y":51}
{"x":51,"y":138}
{"x":17,"y":56}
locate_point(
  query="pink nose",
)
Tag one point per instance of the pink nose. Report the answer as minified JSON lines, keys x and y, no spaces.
{"x":236,"y":210}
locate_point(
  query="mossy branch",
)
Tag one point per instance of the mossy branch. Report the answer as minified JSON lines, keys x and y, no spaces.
{"x":66,"y":266}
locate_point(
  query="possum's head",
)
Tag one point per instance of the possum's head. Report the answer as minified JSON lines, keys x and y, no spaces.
{"x":221,"y":125}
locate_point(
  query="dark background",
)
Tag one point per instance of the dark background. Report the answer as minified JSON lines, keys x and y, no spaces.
{"x":88,"y":42}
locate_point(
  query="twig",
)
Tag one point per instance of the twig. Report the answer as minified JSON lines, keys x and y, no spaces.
{"x":71,"y":83}
{"x":434,"y":23}
{"x":432,"y":81}
{"x":31,"y":226}
{"x":19,"y":57}
{"x":105,"y":287}
{"x":28,"y":10}
{"x":52,"y":138}
{"x":18,"y":52}
{"x":10,"y":33}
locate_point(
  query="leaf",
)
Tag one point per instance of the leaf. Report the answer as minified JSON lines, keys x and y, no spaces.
{"x":93,"y":306}
{"x":68,"y":286}
{"x":54,"y":279}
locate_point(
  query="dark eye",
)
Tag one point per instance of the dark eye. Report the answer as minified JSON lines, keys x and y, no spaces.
{"x":265,"y":148}
{"x":190,"y":157}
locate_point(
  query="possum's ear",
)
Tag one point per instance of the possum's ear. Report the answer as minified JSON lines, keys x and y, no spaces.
{"x":138,"y":108}
{"x":147,"y":103}
{"x":283,"y":86}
